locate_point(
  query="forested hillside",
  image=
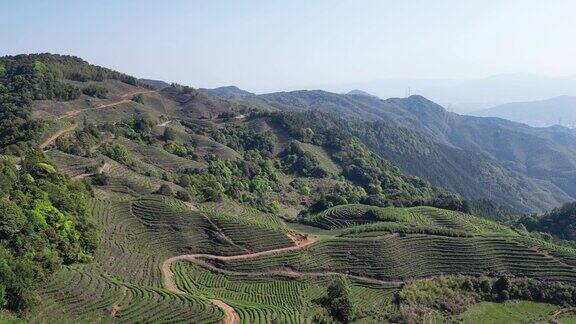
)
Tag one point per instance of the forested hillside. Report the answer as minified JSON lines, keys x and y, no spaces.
{"x":522,"y":168}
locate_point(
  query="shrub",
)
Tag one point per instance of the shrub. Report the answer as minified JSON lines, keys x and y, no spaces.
{"x":138,"y":98}
{"x":101,"y":179}
{"x":118,"y":153}
{"x":96,"y":91}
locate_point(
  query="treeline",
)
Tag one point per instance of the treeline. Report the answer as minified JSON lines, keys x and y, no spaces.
{"x":76,"y":69}
{"x":560,"y":222}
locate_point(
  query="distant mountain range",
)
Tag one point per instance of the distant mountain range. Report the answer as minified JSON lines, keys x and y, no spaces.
{"x":521,"y":167}
{"x":466,"y":95}
{"x":555,"y":111}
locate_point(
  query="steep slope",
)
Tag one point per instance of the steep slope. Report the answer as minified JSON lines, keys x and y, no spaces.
{"x":554,"y":111}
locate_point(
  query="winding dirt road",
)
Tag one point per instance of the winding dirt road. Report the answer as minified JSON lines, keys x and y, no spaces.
{"x":125,"y":98}
{"x":55,"y":136}
{"x":230,"y":315}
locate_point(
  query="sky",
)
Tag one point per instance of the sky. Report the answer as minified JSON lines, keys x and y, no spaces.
{"x":282,"y":45}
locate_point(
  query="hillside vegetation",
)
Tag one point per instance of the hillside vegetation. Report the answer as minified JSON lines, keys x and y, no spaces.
{"x":524,"y":169}
{"x":137,"y":204}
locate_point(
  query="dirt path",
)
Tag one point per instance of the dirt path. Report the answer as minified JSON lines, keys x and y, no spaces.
{"x":55,"y":136}
{"x":231,"y":317}
{"x":125,"y":98}
{"x":168,"y":276}
{"x":301,"y":244}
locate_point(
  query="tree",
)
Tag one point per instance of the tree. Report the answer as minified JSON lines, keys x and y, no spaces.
{"x":165,"y":190}
{"x":339,"y":300}
{"x":12,"y":218}
{"x":183,"y":195}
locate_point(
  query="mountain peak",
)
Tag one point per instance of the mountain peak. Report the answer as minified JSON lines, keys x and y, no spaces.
{"x":227,"y":92}
{"x":357,"y":92}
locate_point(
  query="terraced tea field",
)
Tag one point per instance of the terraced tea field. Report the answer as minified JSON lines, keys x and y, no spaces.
{"x":74,"y":296}
{"x":160,"y":158}
{"x":362,"y":221}
{"x":227,"y":255}
{"x":71,"y":165}
{"x":123,"y":283}
{"x":276,"y":299}
{"x":395,"y":257}
{"x":124,"y":180}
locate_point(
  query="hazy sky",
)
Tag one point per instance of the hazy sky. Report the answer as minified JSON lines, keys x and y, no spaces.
{"x":271,"y":45}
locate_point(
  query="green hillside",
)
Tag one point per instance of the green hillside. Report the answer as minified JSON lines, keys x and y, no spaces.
{"x":168,"y":205}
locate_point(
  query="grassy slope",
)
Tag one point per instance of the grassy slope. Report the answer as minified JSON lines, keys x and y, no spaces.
{"x":508,"y":312}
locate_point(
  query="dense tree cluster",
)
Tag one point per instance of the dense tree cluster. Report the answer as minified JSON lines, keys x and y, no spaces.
{"x":180,"y":149}
{"x":138,"y":129}
{"x":560,"y":222}
{"x":339,"y":301}
{"x":96,"y":91}
{"x":249,"y":180}
{"x":22,"y":81}
{"x":81,"y":142}
{"x":44,"y":221}
{"x":119,"y":153}
{"x":241,"y":139}
{"x":76,"y":69}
